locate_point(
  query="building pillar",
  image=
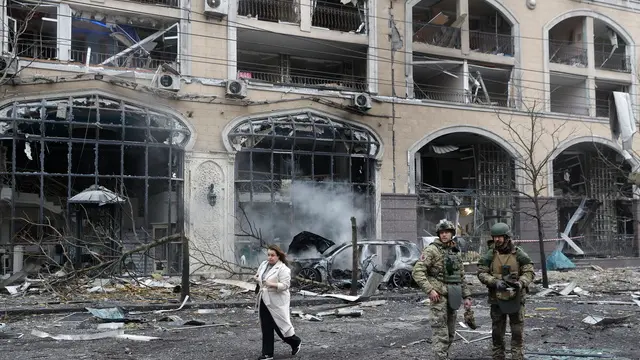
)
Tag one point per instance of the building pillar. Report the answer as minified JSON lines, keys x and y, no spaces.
{"x":65,"y":21}
{"x":463,"y":9}
{"x":305,"y":15}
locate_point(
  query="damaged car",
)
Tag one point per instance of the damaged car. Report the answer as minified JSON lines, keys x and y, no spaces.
{"x":319,"y":259}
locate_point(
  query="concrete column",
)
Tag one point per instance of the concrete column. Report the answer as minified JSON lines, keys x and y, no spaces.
{"x":64,"y":32}
{"x":305,"y":15}
{"x":18,"y":258}
{"x":5,"y":26}
{"x":590,"y":93}
{"x":465,"y":80}
{"x":463,"y":8}
{"x":588,"y":38}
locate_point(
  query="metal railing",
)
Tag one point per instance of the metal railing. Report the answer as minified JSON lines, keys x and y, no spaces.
{"x":271,"y":10}
{"x":345,"y":82}
{"x":80,"y":56}
{"x":36,"y":51}
{"x":616,"y":62}
{"x":568,"y":53}
{"x":169,"y":3}
{"x":488,"y":43}
{"x":346,"y":18}
{"x":459,"y":96}
{"x":443,"y":36}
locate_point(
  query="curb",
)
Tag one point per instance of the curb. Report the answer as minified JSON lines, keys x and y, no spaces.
{"x":304,"y":301}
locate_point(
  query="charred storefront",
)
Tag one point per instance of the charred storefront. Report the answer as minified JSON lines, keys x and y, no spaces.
{"x":301,"y":171}
{"x":87,"y":177}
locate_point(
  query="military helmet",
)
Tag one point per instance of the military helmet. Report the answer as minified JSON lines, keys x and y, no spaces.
{"x":445,"y":224}
{"x":501,"y":229}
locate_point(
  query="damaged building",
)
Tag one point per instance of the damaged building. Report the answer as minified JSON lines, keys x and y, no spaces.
{"x":242,"y":123}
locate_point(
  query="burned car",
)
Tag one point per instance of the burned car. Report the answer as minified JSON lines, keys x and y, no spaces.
{"x":319,"y":259}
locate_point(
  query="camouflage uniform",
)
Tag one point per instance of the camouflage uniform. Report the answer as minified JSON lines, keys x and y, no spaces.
{"x":511,"y":269}
{"x":440,"y":268}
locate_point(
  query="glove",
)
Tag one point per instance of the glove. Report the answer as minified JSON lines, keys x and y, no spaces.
{"x":501,"y":285}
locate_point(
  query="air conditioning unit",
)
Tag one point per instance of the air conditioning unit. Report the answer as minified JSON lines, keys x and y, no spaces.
{"x":8,"y":66}
{"x":236,"y":89}
{"x":168,"y":81}
{"x":216,"y":8}
{"x":362,"y":101}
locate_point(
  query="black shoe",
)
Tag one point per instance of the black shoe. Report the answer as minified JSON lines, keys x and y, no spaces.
{"x":295,"y":350}
{"x":266,"y":357}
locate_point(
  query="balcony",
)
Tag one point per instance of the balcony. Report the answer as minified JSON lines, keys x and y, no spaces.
{"x":440,"y":79}
{"x":286,"y":11}
{"x":568,"y":53}
{"x":604,"y":96}
{"x":334,"y":15}
{"x":168,"y":3}
{"x":570,"y":94}
{"x":46,"y":50}
{"x":116,"y":44}
{"x":491,"y":43}
{"x":285,"y":60}
{"x":614,"y":62}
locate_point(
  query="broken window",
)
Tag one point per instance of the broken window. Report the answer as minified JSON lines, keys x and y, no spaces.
{"x":467,"y":179}
{"x":435,"y":23}
{"x":341,"y":15}
{"x":610,"y":48}
{"x":445,"y":80}
{"x":489,"y":31}
{"x":117,"y":41}
{"x":85,"y":178}
{"x":567,"y":42}
{"x":33,"y":30}
{"x":592,"y":179}
{"x":286,"y":11}
{"x":604,"y":97}
{"x":302,"y":172}
{"x":310,"y":68}
{"x":569,"y":94}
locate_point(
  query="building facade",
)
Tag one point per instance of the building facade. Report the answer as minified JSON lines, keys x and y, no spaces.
{"x":234,"y":121}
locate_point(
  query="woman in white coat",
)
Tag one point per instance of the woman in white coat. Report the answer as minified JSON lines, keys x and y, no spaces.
{"x":274,"y":279}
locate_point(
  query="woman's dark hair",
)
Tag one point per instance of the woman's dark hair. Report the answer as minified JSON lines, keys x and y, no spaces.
{"x":281,"y":255}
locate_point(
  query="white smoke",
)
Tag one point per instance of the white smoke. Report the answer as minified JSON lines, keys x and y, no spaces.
{"x":322,"y":208}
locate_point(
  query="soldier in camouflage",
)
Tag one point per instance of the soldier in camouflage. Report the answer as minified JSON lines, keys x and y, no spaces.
{"x":507,"y":271}
{"x":440,"y":274}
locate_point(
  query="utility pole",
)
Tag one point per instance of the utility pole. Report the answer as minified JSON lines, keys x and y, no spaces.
{"x":354,"y":256}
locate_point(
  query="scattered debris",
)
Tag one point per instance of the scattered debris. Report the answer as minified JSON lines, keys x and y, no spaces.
{"x":596,"y":320}
{"x":241,"y":284}
{"x":111,"y":326}
{"x":369,"y":289}
{"x":84,"y":337}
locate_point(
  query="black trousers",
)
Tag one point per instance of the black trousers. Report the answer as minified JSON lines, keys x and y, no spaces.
{"x":268,"y":326}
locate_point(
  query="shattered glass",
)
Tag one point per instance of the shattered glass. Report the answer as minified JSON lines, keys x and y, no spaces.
{"x":94,"y":109}
{"x":283,"y":131}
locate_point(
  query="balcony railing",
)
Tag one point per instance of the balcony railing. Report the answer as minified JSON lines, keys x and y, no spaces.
{"x":443,"y":36}
{"x":36,"y":51}
{"x":287,"y":11}
{"x":80,"y":56}
{"x":568,"y":53}
{"x":460,"y":96}
{"x":169,"y":3}
{"x":488,"y":43}
{"x":352,"y":83}
{"x":345,"y":18}
{"x":615,"y":62}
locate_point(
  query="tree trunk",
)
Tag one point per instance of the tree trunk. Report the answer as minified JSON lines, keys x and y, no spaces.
{"x":543,"y":259}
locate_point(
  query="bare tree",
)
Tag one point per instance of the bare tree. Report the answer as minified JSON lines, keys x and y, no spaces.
{"x":535,"y":139}
{"x":14,"y":35}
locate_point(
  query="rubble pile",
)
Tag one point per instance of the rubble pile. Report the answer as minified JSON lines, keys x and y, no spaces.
{"x":597,"y":280}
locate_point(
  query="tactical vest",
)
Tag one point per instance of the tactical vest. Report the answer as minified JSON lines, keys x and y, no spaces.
{"x":505,"y":267}
{"x":452,"y":272}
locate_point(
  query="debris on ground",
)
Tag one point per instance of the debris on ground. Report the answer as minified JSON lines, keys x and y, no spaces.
{"x":597,"y":320}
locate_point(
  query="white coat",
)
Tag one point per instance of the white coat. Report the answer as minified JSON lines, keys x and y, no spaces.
{"x":277,"y":299}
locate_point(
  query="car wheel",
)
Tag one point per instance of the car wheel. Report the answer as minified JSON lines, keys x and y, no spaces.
{"x":310,"y":274}
{"x":401,"y":278}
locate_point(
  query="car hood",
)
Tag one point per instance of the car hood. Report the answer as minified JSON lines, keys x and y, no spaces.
{"x":308,"y":241}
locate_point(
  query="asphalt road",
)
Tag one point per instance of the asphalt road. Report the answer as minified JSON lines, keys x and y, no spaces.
{"x":395,"y":330}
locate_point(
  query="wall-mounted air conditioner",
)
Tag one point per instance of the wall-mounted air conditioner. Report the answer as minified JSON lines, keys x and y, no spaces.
{"x":236,"y":89}
{"x":9,"y":64}
{"x":362,"y":101}
{"x":167,"y":78}
{"x":216,"y":8}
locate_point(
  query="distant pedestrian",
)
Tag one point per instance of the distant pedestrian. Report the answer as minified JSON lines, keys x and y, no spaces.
{"x":440,"y":274}
{"x":507,"y":271}
{"x":273,"y":302}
